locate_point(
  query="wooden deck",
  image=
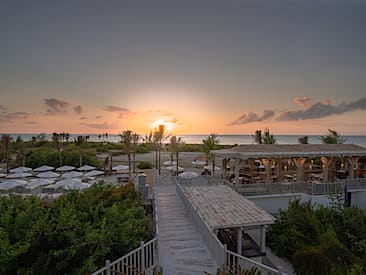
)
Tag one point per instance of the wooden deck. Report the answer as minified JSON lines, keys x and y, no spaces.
{"x":181,"y":249}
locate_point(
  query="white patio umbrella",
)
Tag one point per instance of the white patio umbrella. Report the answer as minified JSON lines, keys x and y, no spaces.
{"x":72,"y":174}
{"x":2,"y":175}
{"x":198,"y":162}
{"x":44,"y":168}
{"x":67,"y":182}
{"x":188,"y":175}
{"x":18,"y":175}
{"x":86,"y":168}
{"x":40,"y":182}
{"x":76,"y":186}
{"x":9,"y":184}
{"x":21,"y":169}
{"x":93,"y":173}
{"x":170,"y":162}
{"x":174,"y":168}
{"x":48,"y":174}
{"x":210,"y":168}
{"x":120,"y":167}
{"x":65,"y":168}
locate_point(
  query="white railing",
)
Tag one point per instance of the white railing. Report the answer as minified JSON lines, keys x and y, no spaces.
{"x":139,"y":260}
{"x":359,"y":183}
{"x":236,"y":263}
{"x":216,"y":248}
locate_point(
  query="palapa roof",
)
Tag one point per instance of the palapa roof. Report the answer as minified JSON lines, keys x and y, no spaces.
{"x":291,"y":150}
{"x":222,"y":207}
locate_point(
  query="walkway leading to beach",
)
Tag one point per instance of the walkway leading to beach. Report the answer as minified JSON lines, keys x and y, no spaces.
{"x":181,"y":249}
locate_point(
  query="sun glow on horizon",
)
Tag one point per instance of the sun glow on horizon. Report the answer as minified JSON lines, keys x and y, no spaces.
{"x":168,"y":125}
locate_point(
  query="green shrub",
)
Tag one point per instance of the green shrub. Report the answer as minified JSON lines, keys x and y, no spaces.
{"x":145,"y":165}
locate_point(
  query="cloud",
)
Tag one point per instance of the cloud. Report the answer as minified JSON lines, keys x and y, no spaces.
{"x":321,"y":109}
{"x":55,"y":106}
{"x":98,"y":117}
{"x":122,"y":112}
{"x":83,"y":118}
{"x":30,"y":122}
{"x":252,"y":117}
{"x":302,"y":101}
{"x":12,"y":117}
{"x":99,"y":126}
{"x":78,"y":109}
{"x":2,"y":107}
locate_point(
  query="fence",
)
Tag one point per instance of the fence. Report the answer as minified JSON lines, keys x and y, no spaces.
{"x":141,"y":259}
{"x":236,"y":263}
{"x":224,"y":258}
{"x":216,"y":248}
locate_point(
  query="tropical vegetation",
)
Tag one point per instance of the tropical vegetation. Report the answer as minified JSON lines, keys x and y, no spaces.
{"x":72,"y":235}
{"x":333,"y":137}
{"x":321,"y":240}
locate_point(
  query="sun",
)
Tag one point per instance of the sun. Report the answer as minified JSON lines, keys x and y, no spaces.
{"x":168,"y":125}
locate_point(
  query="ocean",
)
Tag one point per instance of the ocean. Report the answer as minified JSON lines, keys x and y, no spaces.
{"x":224,"y":139}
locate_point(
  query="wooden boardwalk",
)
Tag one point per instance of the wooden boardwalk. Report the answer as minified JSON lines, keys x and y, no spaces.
{"x":181,"y":249}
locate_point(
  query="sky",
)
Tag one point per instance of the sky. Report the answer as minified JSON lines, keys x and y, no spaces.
{"x":198,"y":66}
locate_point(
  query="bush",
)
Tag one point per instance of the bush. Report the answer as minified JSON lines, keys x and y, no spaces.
{"x":73,"y":235}
{"x":145,"y":165}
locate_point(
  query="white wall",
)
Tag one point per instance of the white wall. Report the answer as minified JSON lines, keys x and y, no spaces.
{"x":273,"y":203}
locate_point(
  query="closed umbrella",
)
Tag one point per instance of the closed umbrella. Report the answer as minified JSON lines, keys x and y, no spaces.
{"x":21,"y":169}
{"x":86,"y":168}
{"x":44,"y":168}
{"x":48,"y":174}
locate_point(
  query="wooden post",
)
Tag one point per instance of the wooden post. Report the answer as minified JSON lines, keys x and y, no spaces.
{"x":239,"y":241}
{"x":263,"y":238}
{"x":142,"y":264}
{"x":108,"y":266}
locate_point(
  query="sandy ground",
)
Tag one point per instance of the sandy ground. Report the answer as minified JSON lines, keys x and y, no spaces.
{"x":185,"y":161}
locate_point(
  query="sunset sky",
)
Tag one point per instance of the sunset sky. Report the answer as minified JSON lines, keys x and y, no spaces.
{"x":229,"y":66}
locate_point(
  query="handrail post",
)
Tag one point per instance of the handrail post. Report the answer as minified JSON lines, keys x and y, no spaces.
{"x":142,"y":264}
{"x":224,"y":257}
{"x":108,"y":266}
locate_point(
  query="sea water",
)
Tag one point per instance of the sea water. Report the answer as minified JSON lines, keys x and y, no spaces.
{"x":224,"y":139}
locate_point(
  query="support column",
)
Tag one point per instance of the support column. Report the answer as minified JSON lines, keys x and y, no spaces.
{"x":237,"y":169}
{"x":299,"y":162}
{"x":267,"y":165}
{"x":239,"y":241}
{"x":326,"y":162}
{"x":263,"y":238}
{"x":352,"y":165}
{"x":224,"y":163}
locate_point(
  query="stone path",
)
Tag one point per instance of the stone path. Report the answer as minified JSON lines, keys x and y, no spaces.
{"x":181,"y":249}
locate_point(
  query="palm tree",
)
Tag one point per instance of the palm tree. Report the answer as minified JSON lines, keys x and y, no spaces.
{"x":135,"y":139}
{"x":333,"y":137}
{"x":6,"y":144}
{"x":258,"y":136}
{"x":126,"y":140}
{"x":160,"y":136}
{"x":80,"y":144}
{"x":58,"y":145}
{"x":304,"y":140}
{"x":268,"y":137}
{"x":210,"y":143}
{"x":174,"y":148}
{"x":155,"y":140}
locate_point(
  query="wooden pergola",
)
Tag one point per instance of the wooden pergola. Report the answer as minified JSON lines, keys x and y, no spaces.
{"x":299,"y":162}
